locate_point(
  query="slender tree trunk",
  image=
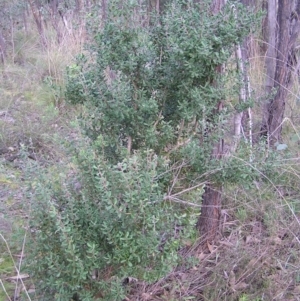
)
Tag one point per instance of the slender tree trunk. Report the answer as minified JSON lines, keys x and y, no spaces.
{"x":81,"y":17}
{"x":208,"y":222}
{"x":245,"y":93}
{"x":209,"y":219}
{"x":104,"y":11}
{"x":270,"y":34}
{"x":265,"y":26}
{"x":2,"y":48}
{"x":238,"y":118}
{"x":271,"y":52}
{"x":287,"y":34}
{"x":242,"y":119}
{"x":54,"y":15}
{"x":38,"y":21}
{"x":79,"y":6}
{"x":24,"y":15}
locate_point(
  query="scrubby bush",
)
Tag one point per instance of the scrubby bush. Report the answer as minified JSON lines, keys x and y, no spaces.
{"x":148,"y":106}
{"x":118,"y":225}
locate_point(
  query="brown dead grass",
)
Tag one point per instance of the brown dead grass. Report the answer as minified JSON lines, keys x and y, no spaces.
{"x":246,"y":262}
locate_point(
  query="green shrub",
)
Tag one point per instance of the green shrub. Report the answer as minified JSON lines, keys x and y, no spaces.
{"x":151,"y":87}
{"x":119,"y":221}
{"x":148,"y":100}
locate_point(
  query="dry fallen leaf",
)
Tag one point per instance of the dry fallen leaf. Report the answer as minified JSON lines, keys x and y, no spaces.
{"x":226,"y":243}
{"x":248,"y":239}
{"x":188,"y":243}
{"x":297,"y":289}
{"x":146,"y":296}
{"x":31,"y":291}
{"x":276,"y":240}
{"x":201,"y":256}
{"x":251,"y":263}
{"x":252,"y":239}
{"x":232,"y":280}
{"x":240,"y":286}
{"x":210,"y":247}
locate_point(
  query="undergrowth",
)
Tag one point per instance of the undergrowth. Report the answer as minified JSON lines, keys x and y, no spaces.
{"x":255,"y":257}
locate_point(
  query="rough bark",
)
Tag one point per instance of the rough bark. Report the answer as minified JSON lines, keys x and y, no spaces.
{"x":209,"y":219}
{"x":79,"y":6}
{"x":157,"y":5}
{"x":208,"y":223}
{"x":287,"y":33}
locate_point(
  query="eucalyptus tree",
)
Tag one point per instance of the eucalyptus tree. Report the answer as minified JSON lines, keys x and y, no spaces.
{"x":281,"y":59}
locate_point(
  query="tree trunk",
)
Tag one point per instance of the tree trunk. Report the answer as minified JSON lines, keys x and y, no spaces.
{"x":104,"y":11}
{"x":270,"y":34}
{"x":287,"y":33}
{"x":54,"y":15}
{"x":242,"y":119}
{"x":245,"y":93}
{"x":2,"y":49}
{"x":38,"y":21}
{"x":209,"y":219}
{"x":208,"y":222}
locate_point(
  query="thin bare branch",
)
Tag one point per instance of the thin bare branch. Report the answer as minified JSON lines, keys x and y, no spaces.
{"x":176,"y":200}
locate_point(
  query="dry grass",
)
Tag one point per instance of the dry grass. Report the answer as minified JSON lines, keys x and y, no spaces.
{"x":255,"y":257}
{"x":32,"y":115}
{"x":32,"y":99}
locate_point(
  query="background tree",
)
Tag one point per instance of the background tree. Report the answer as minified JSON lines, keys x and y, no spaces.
{"x":2,"y":48}
{"x":38,"y":20}
{"x":13,"y":17}
{"x":279,"y":63}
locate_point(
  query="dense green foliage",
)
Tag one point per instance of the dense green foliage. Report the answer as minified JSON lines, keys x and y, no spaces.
{"x":154,"y":84}
{"x":149,"y":95}
{"x":118,"y":223}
